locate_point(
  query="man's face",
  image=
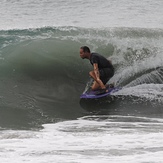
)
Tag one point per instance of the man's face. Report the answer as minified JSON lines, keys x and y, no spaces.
{"x":82,"y":54}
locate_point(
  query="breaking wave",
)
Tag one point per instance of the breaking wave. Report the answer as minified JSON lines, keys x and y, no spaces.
{"x":42,"y":75}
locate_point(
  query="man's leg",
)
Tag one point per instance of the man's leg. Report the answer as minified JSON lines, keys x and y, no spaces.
{"x":97,"y":83}
{"x":95,"y":86}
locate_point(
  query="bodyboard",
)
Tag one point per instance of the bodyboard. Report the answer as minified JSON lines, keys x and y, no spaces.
{"x":94,"y":95}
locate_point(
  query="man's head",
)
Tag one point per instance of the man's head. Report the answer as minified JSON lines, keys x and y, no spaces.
{"x":85,"y":52}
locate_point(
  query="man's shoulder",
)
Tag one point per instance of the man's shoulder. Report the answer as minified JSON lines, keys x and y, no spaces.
{"x":95,"y":55}
{"x":94,"y":58}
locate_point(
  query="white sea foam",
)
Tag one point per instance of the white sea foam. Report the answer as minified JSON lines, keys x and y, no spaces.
{"x":87,"y":140}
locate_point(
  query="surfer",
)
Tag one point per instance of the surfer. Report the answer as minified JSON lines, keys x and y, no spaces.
{"x":103,"y":69}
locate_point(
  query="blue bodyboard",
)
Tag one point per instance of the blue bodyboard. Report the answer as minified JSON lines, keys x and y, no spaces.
{"x":94,"y":95}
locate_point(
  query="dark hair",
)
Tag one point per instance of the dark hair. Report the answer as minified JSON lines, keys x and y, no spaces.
{"x":85,"y":49}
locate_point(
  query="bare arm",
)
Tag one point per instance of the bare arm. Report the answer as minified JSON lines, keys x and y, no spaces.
{"x":97,"y":76}
{"x":96,"y":71}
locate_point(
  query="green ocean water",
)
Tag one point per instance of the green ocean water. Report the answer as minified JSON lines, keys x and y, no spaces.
{"x":42,"y":74}
{"x":43,"y":119}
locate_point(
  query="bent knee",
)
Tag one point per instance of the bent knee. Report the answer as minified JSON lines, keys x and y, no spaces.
{"x":91,"y":73}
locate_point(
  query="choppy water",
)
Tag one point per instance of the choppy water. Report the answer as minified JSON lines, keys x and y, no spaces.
{"x":91,"y":13}
{"x":42,"y":118}
{"x":90,"y":139}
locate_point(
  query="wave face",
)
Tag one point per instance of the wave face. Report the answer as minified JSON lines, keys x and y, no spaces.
{"x":42,"y":75}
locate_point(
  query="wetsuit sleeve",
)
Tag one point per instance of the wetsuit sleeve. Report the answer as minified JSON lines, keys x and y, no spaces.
{"x":94,"y":60}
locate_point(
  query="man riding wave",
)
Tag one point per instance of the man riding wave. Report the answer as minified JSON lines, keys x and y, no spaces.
{"x":103,"y":69}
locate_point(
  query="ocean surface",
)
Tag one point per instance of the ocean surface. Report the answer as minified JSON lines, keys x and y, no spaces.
{"x":43,"y":119}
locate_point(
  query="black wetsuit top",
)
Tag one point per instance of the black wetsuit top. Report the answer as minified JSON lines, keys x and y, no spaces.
{"x":101,"y":61}
{"x":106,"y":69}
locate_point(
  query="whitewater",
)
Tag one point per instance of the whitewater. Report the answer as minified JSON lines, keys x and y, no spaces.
{"x":43,"y":119}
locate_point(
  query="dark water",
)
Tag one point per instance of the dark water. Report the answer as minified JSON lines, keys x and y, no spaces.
{"x":42,"y":75}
